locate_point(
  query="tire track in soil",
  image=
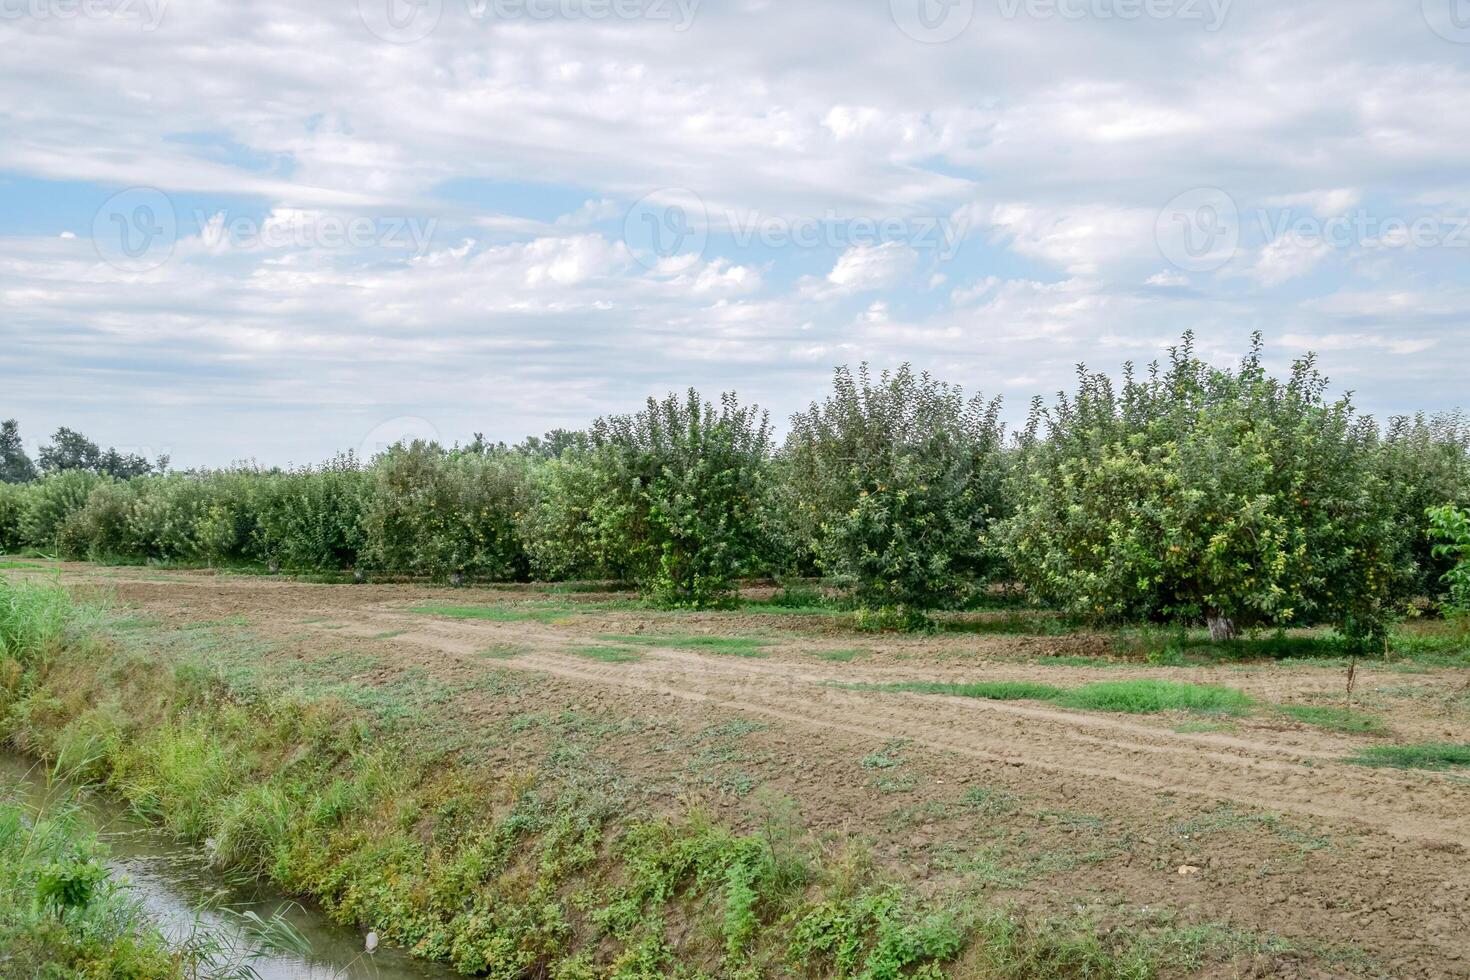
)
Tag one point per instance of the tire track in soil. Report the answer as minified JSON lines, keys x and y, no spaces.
{"x":1282,"y":779}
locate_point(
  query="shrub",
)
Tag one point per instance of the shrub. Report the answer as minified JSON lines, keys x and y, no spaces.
{"x":311,"y":518}
{"x":569,"y":525}
{"x":102,"y":528}
{"x":1450,"y":527}
{"x":445,"y":513}
{"x":1424,"y":463}
{"x":166,"y":517}
{"x":51,"y":501}
{"x":12,"y":506}
{"x":896,"y":484}
{"x":684,"y":485}
{"x":1205,"y":493}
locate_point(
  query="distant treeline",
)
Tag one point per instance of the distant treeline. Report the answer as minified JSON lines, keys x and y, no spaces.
{"x":1183,"y":494}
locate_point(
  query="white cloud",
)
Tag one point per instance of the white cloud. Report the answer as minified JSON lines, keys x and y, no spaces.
{"x":864,"y":268}
{"x":526,"y":142}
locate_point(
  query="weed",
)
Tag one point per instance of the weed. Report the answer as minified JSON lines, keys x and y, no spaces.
{"x":1149,"y":696}
{"x":1333,"y":719}
{"x":1425,"y":755}
{"x":841,"y":656}
{"x":1133,"y":697}
{"x":733,"y":646}
{"x":606,"y":654}
{"x":516,"y":613}
{"x":990,"y":690}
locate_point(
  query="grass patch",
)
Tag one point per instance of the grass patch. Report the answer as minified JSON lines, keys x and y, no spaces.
{"x":989,"y":691}
{"x":1130,"y":697}
{"x":1333,"y":719}
{"x":606,"y":654}
{"x":841,"y":656}
{"x":730,"y":646}
{"x":519,"y":613}
{"x":1437,"y":756}
{"x":1200,"y":728}
{"x":1151,"y":696}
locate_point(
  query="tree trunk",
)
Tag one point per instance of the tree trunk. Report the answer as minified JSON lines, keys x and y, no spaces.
{"x":1222,"y":629}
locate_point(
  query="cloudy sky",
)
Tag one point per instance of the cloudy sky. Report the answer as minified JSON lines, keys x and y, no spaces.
{"x":272,"y":230}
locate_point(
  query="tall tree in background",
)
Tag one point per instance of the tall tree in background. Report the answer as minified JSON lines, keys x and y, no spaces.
{"x":70,"y":450}
{"x":15,"y":465}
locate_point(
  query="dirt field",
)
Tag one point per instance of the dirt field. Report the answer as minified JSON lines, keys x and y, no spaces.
{"x":1254,"y":826}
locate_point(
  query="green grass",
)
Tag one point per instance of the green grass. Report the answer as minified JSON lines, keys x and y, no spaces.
{"x":841,"y":656}
{"x":730,"y":646}
{"x":1151,"y":696}
{"x":518,"y":613}
{"x":33,"y":616}
{"x":607,"y":654}
{"x":989,"y":691}
{"x":1333,"y":719}
{"x":1423,"y":755}
{"x":1129,"y":697}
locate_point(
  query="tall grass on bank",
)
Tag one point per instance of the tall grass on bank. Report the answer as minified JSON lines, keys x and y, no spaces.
{"x":33,"y":617}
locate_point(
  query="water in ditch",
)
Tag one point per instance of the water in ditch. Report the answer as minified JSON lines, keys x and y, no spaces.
{"x":177,"y":884}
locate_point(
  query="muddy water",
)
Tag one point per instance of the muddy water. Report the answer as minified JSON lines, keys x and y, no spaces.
{"x":174,"y":882}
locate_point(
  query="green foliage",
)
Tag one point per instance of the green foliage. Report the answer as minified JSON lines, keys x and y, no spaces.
{"x":15,"y":465}
{"x":50,"y":502}
{"x":308,"y":519}
{"x":59,"y":913}
{"x":893,"y":484}
{"x":445,"y":513}
{"x":70,"y":450}
{"x":103,"y":528}
{"x":1199,"y":492}
{"x":572,"y":527}
{"x":683,"y":487}
{"x":13,"y":499}
{"x":1450,"y":527}
{"x":875,"y":935}
{"x":1423,"y":463}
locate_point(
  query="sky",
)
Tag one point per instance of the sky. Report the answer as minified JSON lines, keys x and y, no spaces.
{"x":272,"y":231}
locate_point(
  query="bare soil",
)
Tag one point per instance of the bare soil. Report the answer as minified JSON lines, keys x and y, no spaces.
{"x":1362,"y":870}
